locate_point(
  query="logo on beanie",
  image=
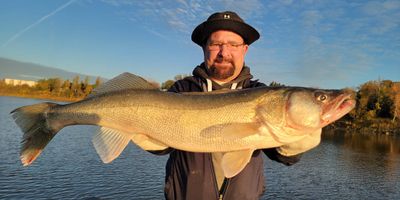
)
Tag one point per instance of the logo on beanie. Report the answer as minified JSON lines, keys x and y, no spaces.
{"x":227,"y":16}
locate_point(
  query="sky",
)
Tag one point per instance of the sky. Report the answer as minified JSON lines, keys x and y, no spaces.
{"x":311,"y":43}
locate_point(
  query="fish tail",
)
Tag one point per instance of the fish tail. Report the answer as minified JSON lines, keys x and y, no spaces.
{"x":32,"y":120}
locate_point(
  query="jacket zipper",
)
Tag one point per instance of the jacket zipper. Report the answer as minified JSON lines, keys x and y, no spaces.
{"x":221,"y":193}
{"x":215,"y":177}
{"x":224,"y":188}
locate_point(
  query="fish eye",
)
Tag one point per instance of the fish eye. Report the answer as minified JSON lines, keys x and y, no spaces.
{"x":321,"y":96}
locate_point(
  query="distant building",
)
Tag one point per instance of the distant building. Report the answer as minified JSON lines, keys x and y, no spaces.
{"x":15,"y":82}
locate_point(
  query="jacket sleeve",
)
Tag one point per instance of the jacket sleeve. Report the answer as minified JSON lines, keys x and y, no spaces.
{"x":274,"y":155}
{"x":162,"y":152}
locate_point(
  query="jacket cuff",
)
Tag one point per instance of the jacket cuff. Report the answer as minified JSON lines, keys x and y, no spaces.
{"x":162,"y":152}
{"x":274,"y":155}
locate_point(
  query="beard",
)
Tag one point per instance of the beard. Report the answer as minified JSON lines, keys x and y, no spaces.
{"x":221,"y":72}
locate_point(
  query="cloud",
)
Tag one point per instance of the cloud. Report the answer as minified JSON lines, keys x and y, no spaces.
{"x":378,"y":8}
{"x":312,"y":18}
{"x":310,"y":41}
{"x":181,"y":16}
{"x":31,"y":76}
{"x":119,"y":2}
{"x":19,"y":34}
{"x":326,"y":44}
{"x":382,"y":17}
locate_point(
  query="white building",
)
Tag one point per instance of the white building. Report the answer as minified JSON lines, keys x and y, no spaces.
{"x":15,"y":82}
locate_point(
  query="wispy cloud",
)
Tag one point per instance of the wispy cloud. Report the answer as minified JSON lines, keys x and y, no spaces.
{"x":31,"y":76}
{"x":20,"y":33}
{"x":181,"y":16}
{"x":323,"y":42}
{"x":377,"y":8}
{"x":313,"y":41}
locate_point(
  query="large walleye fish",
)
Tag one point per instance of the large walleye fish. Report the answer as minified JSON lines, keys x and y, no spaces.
{"x":235,"y":123}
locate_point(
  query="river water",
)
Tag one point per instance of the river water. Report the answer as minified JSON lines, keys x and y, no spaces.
{"x":343,"y":166}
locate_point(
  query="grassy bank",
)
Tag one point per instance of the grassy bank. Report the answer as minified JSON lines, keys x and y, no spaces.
{"x":373,"y":126}
{"x":41,"y":96}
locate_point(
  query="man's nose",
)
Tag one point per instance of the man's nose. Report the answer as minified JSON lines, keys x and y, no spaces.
{"x":223,"y":51}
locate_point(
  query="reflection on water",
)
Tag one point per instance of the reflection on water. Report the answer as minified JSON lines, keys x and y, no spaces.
{"x":385,"y":147}
{"x":366,"y":143}
{"x":343,"y":166}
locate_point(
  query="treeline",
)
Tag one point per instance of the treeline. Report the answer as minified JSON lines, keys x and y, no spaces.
{"x":53,"y":88}
{"x":377,"y":109}
{"x":167,"y":84}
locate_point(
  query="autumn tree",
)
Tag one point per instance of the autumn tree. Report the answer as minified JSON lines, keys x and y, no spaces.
{"x":98,"y":82}
{"x":75,"y":87}
{"x":54,"y":85}
{"x":42,"y":84}
{"x":376,"y":99}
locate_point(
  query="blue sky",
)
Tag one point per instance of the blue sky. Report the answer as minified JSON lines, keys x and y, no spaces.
{"x":313,"y":43}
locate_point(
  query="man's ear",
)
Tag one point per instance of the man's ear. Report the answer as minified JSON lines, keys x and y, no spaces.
{"x":246,"y":47}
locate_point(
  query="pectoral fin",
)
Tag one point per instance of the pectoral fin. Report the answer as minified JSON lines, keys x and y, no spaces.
{"x":109,"y":143}
{"x":147,"y":143}
{"x":231,"y":130}
{"x":234,"y":162}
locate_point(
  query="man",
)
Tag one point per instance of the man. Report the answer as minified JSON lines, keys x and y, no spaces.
{"x":225,"y":39}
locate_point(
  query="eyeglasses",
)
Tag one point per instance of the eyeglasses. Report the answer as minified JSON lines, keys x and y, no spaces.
{"x":216,"y":46}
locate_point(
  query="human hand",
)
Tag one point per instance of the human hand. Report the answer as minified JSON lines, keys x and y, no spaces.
{"x":308,"y":142}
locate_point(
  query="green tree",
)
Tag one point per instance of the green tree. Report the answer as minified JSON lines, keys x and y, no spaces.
{"x":275,"y":84}
{"x":167,"y":84}
{"x":386,"y":100}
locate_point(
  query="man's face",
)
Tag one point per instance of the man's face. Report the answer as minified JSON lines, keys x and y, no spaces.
{"x":224,"y":54}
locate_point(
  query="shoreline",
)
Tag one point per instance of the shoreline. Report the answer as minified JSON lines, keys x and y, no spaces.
{"x":41,"y":97}
{"x":394,"y":130}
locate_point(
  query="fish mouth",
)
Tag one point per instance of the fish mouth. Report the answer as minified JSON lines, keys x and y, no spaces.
{"x":344,"y":104}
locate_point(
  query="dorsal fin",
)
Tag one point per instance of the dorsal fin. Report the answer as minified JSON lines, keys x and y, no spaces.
{"x":123,"y":81}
